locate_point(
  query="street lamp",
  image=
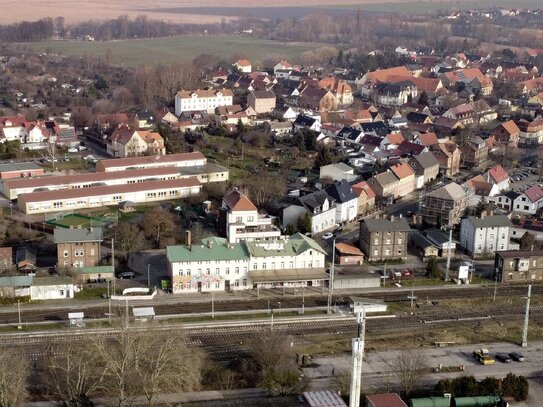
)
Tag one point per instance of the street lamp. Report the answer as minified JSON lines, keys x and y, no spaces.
{"x":148,"y":276}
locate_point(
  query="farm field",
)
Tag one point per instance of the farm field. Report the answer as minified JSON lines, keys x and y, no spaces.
{"x":134,"y":53}
{"x":207,"y":11}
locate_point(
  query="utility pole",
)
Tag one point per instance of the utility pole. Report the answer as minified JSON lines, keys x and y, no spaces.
{"x":495,"y":288}
{"x":357,"y":358}
{"x":127,"y":316}
{"x":303,"y":300}
{"x":271,"y":325}
{"x":212,"y":305}
{"x":20,"y":326}
{"x":113,"y":261}
{"x":526,"y":318}
{"x":412,"y":296}
{"x":449,"y":256}
{"x":331,"y":279}
{"x":148,"y":276}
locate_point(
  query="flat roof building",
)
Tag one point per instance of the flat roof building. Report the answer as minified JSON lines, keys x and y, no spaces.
{"x":193,"y":159}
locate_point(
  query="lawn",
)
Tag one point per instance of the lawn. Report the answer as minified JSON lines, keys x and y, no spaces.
{"x":139,"y":52}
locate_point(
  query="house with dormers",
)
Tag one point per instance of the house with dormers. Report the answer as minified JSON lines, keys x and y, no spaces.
{"x":320,"y":206}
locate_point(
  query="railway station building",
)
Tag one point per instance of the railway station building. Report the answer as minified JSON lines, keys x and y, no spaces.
{"x":218,"y":265}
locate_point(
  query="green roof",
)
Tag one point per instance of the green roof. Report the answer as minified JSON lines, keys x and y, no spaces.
{"x":218,"y":248}
{"x":47,"y":281}
{"x":211,"y":249}
{"x":92,"y":270}
{"x":16,"y":281}
{"x":292,"y":246}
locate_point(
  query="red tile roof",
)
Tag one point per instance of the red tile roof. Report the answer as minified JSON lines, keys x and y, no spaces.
{"x":498,"y":174}
{"x":428,"y":139}
{"x":383,"y":75}
{"x":237,"y":201}
{"x":385,"y":400}
{"x":348,"y":249}
{"x":402,"y":170}
{"x":363,"y":186}
{"x":534,"y":193}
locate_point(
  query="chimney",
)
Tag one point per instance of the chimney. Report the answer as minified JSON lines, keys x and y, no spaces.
{"x":392,"y":218}
{"x":188,"y":238}
{"x":209,"y":243}
{"x":483,"y":214}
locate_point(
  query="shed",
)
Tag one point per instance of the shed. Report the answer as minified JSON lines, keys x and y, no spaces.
{"x":430,"y":402}
{"x":96,"y":274}
{"x":347,"y":254}
{"x":144,"y":314}
{"x":26,"y":258}
{"x":127,"y":206}
{"x":51,"y":288}
{"x":423,"y":245}
{"x":480,"y":401}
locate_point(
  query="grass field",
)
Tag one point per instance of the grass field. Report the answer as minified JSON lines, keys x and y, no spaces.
{"x":75,"y":220}
{"x":167,"y":50}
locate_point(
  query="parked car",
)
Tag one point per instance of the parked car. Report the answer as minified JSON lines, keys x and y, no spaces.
{"x":517,"y":356}
{"x":73,"y":150}
{"x":127,"y":275}
{"x":338,"y":230}
{"x":81,"y":148}
{"x":328,"y":235}
{"x":503,"y":357}
{"x":406,"y":273}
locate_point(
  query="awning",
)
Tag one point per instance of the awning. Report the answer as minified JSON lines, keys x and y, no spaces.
{"x":272,"y":276}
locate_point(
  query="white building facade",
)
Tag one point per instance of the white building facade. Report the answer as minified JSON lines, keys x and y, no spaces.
{"x":202,"y":100}
{"x":485,"y":236}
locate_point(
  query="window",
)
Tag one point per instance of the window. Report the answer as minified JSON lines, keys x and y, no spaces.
{"x":207,"y":285}
{"x":387,"y":252}
{"x":238,"y":218}
{"x":217,"y":270}
{"x":79,"y":253}
{"x":92,"y":252}
{"x":237,"y":270}
{"x":65,"y":253}
{"x":245,"y":270}
{"x":208,"y":271}
{"x":250,"y":218}
{"x":236,"y":283}
{"x":376,"y":241}
{"x":188,"y":272}
{"x":399,"y":240}
{"x":291,"y":265}
{"x":217,"y":284}
{"x":399,"y":251}
{"x":57,"y":204}
{"x":244,"y":282}
{"x":375,"y":252}
{"x":534,"y":263}
{"x":227,"y":271}
{"x":181,"y":273}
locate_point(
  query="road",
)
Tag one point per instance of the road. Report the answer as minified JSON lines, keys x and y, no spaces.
{"x":377,"y":367}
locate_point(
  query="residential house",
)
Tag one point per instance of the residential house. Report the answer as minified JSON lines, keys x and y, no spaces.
{"x":214,"y":264}
{"x":471,"y":76}
{"x":239,"y":220}
{"x":125,"y":142}
{"x":530,"y":201}
{"x":506,"y":134}
{"x":281,"y":65}
{"x":384,"y":185}
{"x":473,"y":112}
{"x":383,"y":239}
{"x":366,"y":198}
{"x":426,"y":168}
{"x":485,"y":235}
{"x":337,"y":172}
{"x":304,"y":122}
{"x":418,"y":118}
{"x":391,"y":141}
{"x":474,"y":152}
{"x":530,"y":132}
{"x":243,"y":66}
{"x":202,"y":100}
{"x":348,"y":254}
{"x":231,"y":115}
{"x":78,"y":247}
{"x":519,"y":266}
{"x":339,"y":88}
{"x":442,"y":240}
{"x":37,"y":288}
{"x":394,"y":94}
{"x":406,"y":177}
{"x":262,"y":101}
{"x":385,"y":75}
{"x":320,"y":206}
{"x":345,"y":199}
{"x":445,"y":205}
{"x":448,"y":155}
{"x":314,"y":98}
{"x":498,"y":176}
{"x":480,"y":189}
{"x":505,"y":201}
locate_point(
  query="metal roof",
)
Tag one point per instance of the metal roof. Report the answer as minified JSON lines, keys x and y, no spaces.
{"x":64,"y":235}
{"x":385,"y":225}
{"x":324,"y":399}
{"x":143,"y":312}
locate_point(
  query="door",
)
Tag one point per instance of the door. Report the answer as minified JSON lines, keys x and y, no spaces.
{"x":199,"y":286}
{"x":227,"y":285}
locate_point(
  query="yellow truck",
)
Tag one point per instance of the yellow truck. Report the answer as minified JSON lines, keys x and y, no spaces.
{"x":483,"y":356}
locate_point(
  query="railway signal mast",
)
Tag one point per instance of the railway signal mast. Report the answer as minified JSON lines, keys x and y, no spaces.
{"x":331,"y":278}
{"x":526,"y":318}
{"x":357,"y":357}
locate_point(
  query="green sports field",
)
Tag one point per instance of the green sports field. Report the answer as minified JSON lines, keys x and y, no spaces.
{"x":167,"y":50}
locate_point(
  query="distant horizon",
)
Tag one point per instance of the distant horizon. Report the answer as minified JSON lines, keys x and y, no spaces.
{"x":212,"y":11}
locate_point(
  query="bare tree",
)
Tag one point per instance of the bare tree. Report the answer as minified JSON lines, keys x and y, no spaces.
{"x":137,"y":362}
{"x":14,"y":374}
{"x":409,"y":368}
{"x":158,"y":222}
{"x":71,"y":371}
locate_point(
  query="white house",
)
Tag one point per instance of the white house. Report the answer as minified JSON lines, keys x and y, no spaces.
{"x":319,"y":205}
{"x":529,"y":201}
{"x":243,"y":65}
{"x":217,"y":265}
{"x":499,"y":177}
{"x":486,"y":235}
{"x":345,"y":199}
{"x":202,"y":100}
{"x":239,"y":220}
{"x":51,"y":288}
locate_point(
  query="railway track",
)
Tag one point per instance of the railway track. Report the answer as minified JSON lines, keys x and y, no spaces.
{"x":179,"y":308}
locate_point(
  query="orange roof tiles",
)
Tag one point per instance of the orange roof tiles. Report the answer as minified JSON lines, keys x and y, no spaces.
{"x":511,"y":127}
{"x":348,"y":249}
{"x":383,"y":75}
{"x":363,"y":186}
{"x":428,"y":139}
{"x":498,"y":173}
{"x":237,"y":201}
{"x":402,"y":170}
